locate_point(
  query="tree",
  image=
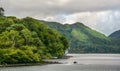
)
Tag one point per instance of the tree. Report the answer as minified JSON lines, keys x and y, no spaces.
{"x":10,"y":39}
{"x":1,"y":11}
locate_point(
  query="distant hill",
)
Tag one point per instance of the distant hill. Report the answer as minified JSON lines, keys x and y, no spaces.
{"x":115,"y":35}
{"x":84,"y":39}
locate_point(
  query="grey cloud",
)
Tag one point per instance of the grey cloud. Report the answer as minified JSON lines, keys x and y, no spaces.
{"x":111,"y":24}
{"x":53,"y":7}
{"x":104,"y":21}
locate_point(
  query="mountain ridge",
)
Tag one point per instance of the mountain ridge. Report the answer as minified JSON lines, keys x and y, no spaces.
{"x":84,"y":39}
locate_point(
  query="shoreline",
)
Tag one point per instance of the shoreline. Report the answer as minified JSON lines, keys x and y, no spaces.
{"x":28,"y":64}
{"x":34,"y":64}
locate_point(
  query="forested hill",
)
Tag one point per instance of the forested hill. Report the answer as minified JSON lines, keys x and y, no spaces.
{"x":28,"y":41}
{"x":84,"y":39}
{"x":115,"y":35}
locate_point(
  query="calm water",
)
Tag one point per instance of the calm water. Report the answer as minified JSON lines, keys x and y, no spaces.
{"x":85,"y":62}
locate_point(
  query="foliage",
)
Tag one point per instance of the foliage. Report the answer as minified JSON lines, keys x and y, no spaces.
{"x":29,"y":41}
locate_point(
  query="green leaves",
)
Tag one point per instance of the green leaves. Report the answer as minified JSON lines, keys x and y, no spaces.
{"x":28,"y":41}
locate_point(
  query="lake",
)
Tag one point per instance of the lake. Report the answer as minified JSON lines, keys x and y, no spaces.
{"x":84,"y":62}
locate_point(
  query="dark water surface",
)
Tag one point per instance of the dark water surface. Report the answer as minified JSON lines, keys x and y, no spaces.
{"x":85,"y":62}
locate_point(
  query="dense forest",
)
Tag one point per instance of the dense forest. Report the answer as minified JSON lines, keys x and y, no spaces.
{"x":28,"y":41}
{"x":84,"y":39}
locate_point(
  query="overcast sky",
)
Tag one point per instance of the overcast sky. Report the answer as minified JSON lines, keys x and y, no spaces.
{"x":101,"y":15}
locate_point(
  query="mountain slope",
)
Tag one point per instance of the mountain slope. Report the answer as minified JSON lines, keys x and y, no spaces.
{"x":84,"y":39}
{"x":115,"y":35}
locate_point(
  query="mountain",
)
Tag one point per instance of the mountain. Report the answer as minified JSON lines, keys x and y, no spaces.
{"x":84,"y":39}
{"x":115,"y":35}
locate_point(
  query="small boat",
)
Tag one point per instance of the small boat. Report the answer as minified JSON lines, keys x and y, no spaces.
{"x":75,"y":62}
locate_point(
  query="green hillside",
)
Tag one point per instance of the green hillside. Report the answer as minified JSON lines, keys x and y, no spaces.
{"x":84,"y":39}
{"x":115,"y":35}
{"x":28,"y":41}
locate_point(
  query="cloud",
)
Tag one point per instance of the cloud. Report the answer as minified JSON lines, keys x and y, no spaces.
{"x":102,"y":15}
{"x":52,"y":7}
{"x":103,"y":21}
